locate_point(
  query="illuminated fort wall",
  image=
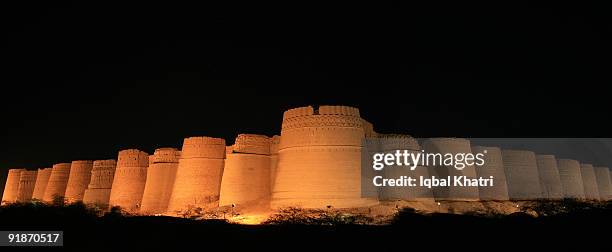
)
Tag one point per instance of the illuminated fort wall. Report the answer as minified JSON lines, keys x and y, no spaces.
{"x":522,"y":175}
{"x":11,"y":187}
{"x":80,"y":175}
{"x":58,"y":180}
{"x":571,"y":178}
{"x":246,"y":176}
{"x":160,"y":180}
{"x":550,"y":181}
{"x":388,"y":143}
{"x":42,"y":178}
{"x":319,"y":159}
{"x":129,"y":181}
{"x":493,"y":166}
{"x":198,"y":176}
{"x":453,"y":146}
{"x":99,"y":187}
{"x":27,"y":181}
{"x":587,"y":172}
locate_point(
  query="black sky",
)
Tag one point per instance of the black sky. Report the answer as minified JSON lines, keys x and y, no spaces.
{"x":82,"y":81}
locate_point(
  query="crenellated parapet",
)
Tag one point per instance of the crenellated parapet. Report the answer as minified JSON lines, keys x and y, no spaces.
{"x":398,"y":142}
{"x":252,"y":143}
{"x":133,"y":158}
{"x":165,"y":155}
{"x":203,"y":147}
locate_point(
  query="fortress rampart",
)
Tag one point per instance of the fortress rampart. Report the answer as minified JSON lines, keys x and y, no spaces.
{"x":42,"y":178}
{"x":27,"y":181}
{"x":80,"y":175}
{"x":550,"y":181}
{"x":315,"y":162}
{"x":99,"y":188}
{"x":11,"y":188}
{"x":493,"y":166}
{"x":58,"y":181}
{"x":130,"y":178}
{"x":161,"y":175}
{"x":198,"y":176}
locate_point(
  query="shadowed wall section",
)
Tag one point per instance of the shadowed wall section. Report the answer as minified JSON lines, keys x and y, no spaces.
{"x":198,"y":176}
{"x":602,"y":175}
{"x":129,"y":181}
{"x":58,"y":180}
{"x":99,"y":188}
{"x":571,"y":179}
{"x":319,"y":159}
{"x":522,"y":174}
{"x":493,"y":166}
{"x":160,"y":180}
{"x":80,"y":175}
{"x":27,"y":181}
{"x":42,"y":178}
{"x":589,"y":182}
{"x":550,"y":181}
{"x":452,"y":146}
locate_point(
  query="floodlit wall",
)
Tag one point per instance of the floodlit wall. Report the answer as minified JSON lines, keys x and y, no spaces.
{"x":389,"y":143}
{"x":493,"y":166}
{"x":27,"y":181}
{"x":198,"y":176}
{"x":589,"y":182}
{"x":42,"y":178}
{"x":58,"y":181}
{"x":129,"y":181}
{"x":319,"y":159}
{"x":80,"y":175}
{"x":571,"y":178}
{"x":161,"y":175}
{"x":452,"y":146}
{"x":550,"y":181}
{"x":11,"y":187}
{"x":99,"y":188}
{"x":522,"y":175}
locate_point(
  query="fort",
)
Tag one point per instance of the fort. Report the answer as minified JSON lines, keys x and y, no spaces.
{"x":314,"y":162}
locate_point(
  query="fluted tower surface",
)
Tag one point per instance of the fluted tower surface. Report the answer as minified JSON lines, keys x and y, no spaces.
{"x":161,"y":175}
{"x":42,"y":178}
{"x":602,"y":175}
{"x":99,"y":188}
{"x":11,"y":188}
{"x":58,"y":181}
{"x":389,"y":143}
{"x":550,"y":181}
{"x":571,"y":178}
{"x":452,"y":146}
{"x":27,"y":181}
{"x":522,"y":174}
{"x":80,"y":175}
{"x":493,"y":166}
{"x":319,"y":159}
{"x":589,"y":182}
{"x":198,"y":176}
{"x":130,"y":178}
{"x":246,"y":176}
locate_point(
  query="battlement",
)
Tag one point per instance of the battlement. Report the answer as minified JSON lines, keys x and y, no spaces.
{"x":104,"y":164}
{"x":165,"y":155}
{"x":252,"y":143}
{"x":203,"y":147}
{"x":338,"y":110}
{"x":133,"y":158}
{"x":298,"y":112}
{"x":398,"y":142}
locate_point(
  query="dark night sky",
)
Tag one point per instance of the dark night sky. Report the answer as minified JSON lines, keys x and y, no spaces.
{"x":84,"y":81}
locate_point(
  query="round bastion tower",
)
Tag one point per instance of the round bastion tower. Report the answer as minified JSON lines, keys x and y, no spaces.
{"x":99,"y":188}
{"x":129,"y":181}
{"x":198,"y":176}
{"x":319,"y":159}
